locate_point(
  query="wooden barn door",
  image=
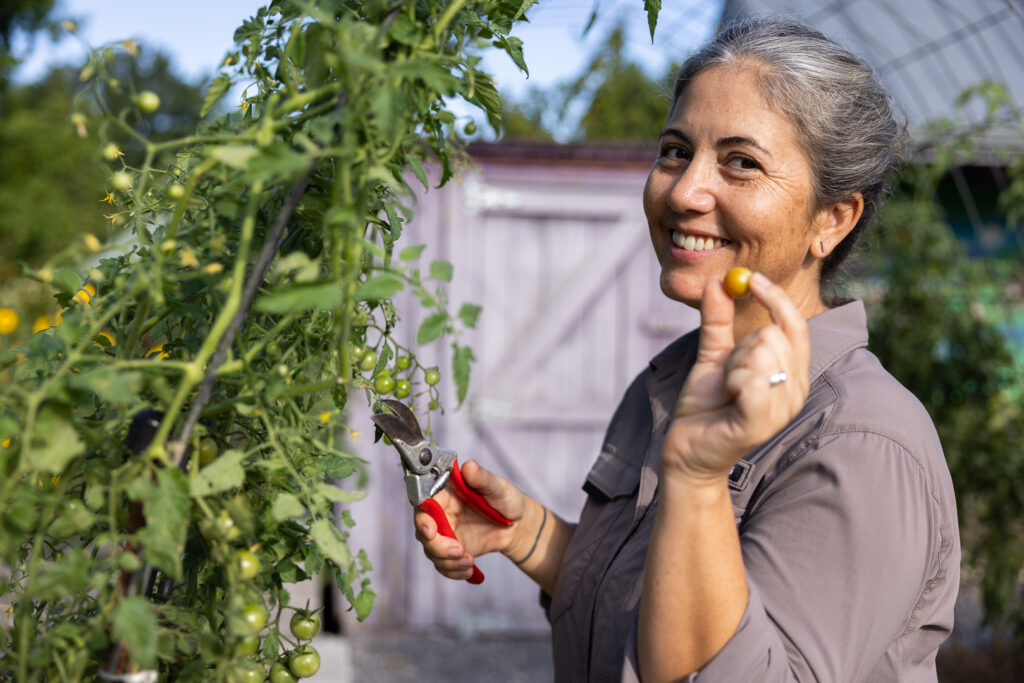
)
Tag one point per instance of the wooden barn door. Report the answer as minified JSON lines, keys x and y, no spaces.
{"x":559,"y":258}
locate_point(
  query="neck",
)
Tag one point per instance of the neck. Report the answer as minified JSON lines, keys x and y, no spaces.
{"x":751,"y":315}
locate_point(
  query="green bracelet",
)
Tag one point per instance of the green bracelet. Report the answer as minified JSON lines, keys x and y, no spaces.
{"x":543,"y":521}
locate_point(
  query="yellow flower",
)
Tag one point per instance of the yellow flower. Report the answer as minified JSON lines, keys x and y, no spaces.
{"x":157,"y":350}
{"x":8,"y":321}
{"x":43,"y":322}
{"x":92,"y":243}
{"x":244,"y":106}
{"x":69,"y":26}
{"x":109,"y":199}
{"x":213,"y":268}
{"x":188,"y":259}
{"x":325,"y":417}
{"x":6,"y":443}
{"x":131,"y":46}
{"x":85,"y":294}
{"x":355,"y":435}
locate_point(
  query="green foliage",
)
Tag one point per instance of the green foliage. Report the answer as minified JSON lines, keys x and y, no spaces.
{"x":620,"y":101}
{"x":939,"y":323}
{"x":254,"y":297}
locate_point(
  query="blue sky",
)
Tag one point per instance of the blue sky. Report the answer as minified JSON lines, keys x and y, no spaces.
{"x":199,"y":33}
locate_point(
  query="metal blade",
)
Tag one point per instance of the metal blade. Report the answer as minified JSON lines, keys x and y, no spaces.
{"x":397,"y":429}
{"x":405,"y":414}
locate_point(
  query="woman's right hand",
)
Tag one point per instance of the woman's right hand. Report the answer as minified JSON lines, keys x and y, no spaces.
{"x":475,"y":534}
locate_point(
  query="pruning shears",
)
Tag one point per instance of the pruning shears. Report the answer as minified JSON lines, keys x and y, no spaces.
{"x":428,"y":469}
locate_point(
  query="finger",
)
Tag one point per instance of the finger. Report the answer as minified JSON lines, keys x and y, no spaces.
{"x":784,"y":313}
{"x":497,"y":491}
{"x":717,"y":313}
{"x":434,"y":544}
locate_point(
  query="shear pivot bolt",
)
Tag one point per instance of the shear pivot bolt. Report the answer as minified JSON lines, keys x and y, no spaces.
{"x":426,"y":456}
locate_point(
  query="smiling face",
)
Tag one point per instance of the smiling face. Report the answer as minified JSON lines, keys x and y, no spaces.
{"x":732,"y":186}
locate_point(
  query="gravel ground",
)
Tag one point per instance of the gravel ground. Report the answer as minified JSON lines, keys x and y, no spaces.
{"x":419,"y":657}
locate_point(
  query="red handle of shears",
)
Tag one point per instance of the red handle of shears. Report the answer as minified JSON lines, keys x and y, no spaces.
{"x":474,"y":500}
{"x":434,"y":509}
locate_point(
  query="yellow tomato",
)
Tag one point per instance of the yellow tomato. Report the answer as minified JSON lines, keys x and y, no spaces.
{"x":157,"y":350}
{"x":737,"y":282}
{"x":8,"y":321}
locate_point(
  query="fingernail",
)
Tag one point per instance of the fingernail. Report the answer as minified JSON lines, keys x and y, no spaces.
{"x":760,"y":279}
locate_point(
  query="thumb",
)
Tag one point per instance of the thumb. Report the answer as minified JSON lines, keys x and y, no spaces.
{"x":717,"y":312}
{"x":483,"y":481}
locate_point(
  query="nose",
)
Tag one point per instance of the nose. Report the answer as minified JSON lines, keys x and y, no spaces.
{"x":692,"y":189}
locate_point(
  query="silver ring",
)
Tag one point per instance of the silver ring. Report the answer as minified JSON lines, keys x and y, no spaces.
{"x":778,"y":378}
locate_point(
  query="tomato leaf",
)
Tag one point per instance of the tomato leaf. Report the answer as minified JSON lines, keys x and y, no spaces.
{"x":412,"y":253}
{"x":223,"y":474}
{"x":109,"y":384}
{"x":652,"y":7}
{"x":235,"y":156}
{"x":337,"y":494}
{"x":135,"y":625}
{"x":468,"y":314}
{"x":54,"y":440}
{"x":166,"y":506}
{"x":57,"y":579}
{"x":220,"y":85}
{"x":416,"y":164}
{"x":379,"y":287}
{"x":363,"y":602}
{"x":328,"y":540}
{"x":322,"y":295}
{"x":441,"y":270}
{"x":287,"y":506}
{"x":431,"y":328}
{"x":461,"y":360}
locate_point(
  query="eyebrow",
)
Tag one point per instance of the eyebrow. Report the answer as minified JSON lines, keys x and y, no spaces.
{"x":722,"y":142}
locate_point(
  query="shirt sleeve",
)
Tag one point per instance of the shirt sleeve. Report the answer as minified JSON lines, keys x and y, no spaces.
{"x":837,"y":553}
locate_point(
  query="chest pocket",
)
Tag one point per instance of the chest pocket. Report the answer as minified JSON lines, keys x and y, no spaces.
{"x":606,"y":517}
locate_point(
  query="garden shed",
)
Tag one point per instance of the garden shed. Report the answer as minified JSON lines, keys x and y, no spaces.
{"x":551,"y":241}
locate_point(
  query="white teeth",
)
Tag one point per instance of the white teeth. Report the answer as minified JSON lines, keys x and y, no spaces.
{"x":691,"y":243}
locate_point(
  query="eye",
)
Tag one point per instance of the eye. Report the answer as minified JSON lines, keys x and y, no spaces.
{"x":674,"y":152}
{"x":741,"y":162}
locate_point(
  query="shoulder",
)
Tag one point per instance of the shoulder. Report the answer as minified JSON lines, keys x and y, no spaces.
{"x":866,"y":399}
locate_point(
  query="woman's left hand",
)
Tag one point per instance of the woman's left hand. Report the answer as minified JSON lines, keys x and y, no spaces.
{"x":729,"y":404}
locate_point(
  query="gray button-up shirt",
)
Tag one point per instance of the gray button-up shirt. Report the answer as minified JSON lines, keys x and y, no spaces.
{"x":846,"y":517}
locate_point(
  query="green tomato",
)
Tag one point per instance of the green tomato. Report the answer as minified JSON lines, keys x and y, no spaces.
{"x":469,"y":128}
{"x":255,"y":616}
{"x":175,"y":191}
{"x":304,"y":662}
{"x":111,"y":152}
{"x":248,"y":645}
{"x":273,"y":350}
{"x":122,"y":181}
{"x":432,"y":376}
{"x":147,"y":101}
{"x":305,"y":625}
{"x":248,"y":565}
{"x":402,"y":388}
{"x":279,"y":673}
{"x":403,"y":362}
{"x":433,"y":405}
{"x":384,"y":384}
{"x":247,"y":671}
{"x":207,"y":451}
{"x":368,"y":361}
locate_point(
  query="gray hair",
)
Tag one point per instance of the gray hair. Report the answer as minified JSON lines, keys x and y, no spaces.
{"x":844,"y":119}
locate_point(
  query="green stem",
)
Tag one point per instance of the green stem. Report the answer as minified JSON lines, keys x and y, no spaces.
{"x":194,"y":373}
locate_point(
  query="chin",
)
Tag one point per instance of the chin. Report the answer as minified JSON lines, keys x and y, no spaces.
{"x":685,"y":290}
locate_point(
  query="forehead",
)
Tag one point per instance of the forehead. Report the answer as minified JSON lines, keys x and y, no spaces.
{"x":728,"y":101}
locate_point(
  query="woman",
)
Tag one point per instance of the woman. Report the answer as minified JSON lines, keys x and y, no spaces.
{"x":769,"y":504}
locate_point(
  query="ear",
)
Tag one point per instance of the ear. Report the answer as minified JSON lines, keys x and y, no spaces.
{"x":833,"y":223}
